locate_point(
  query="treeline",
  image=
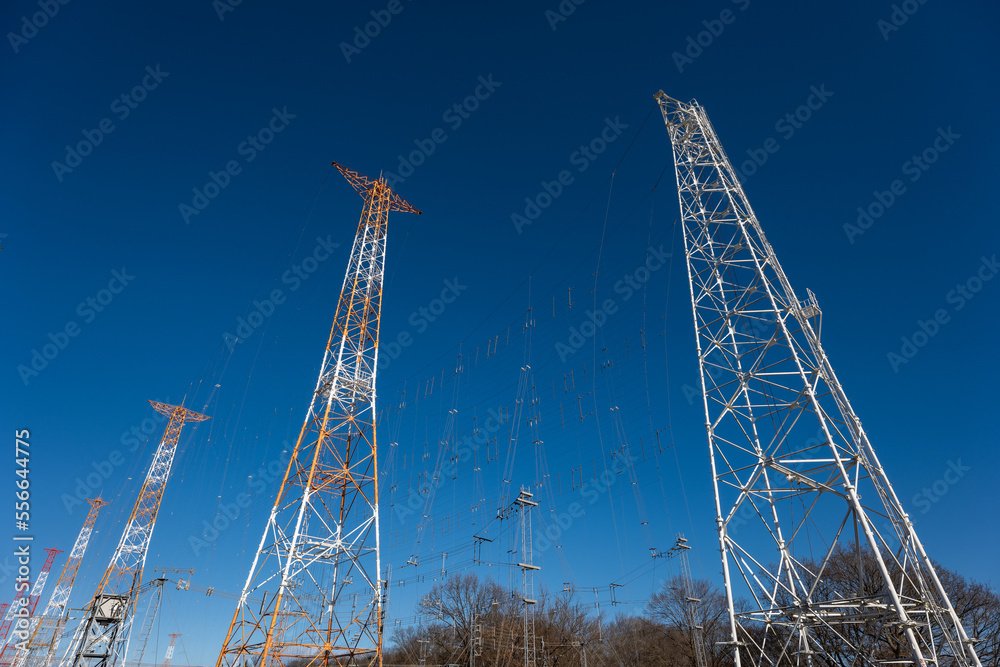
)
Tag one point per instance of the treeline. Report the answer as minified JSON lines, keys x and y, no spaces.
{"x":467,"y":613}
{"x":567,"y":631}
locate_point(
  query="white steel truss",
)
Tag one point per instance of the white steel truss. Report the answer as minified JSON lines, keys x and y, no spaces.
{"x":314,"y":591}
{"x":48,"y":632}
{"x":102,"y":638}
{"x":821,"y":564}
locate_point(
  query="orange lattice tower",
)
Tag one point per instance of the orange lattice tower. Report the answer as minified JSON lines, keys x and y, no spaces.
{"x":315,"y":589}
{"x":48,"y":631}
{"x":102,"y":638}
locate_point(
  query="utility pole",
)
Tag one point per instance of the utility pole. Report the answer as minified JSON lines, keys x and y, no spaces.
{"x":103,"y":635}
{"x":423,"y":650}
{"x":476,"y":647}
{"x":690,"y":601}
{"x":47,"y":635}
{"x":320,"y":549}
{"x":790,"y":460}
{"x":528,"y":569}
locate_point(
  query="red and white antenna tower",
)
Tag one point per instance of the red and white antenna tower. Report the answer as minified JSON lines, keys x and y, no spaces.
{"x":9,"y":652}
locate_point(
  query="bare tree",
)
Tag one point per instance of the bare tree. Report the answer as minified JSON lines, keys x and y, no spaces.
{"x":566,"y":630}
{"x":853,"y":580}
{"x":670,"y":607}
{"x":636,"y":641}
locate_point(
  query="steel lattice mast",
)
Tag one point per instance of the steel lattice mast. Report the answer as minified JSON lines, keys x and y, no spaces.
{"x":152,"y":609}
{"x":48,"y":631}
{"x":12,"y":649}
{"x":153,"y":602}
{"x":8,"y":620}
{"x":811,"y":533}
{"x":524,"y":505}
{"x":695,"y":629}
{"x":170,"y":650}
{"x":102,"y":637}
{"x":314,"y":590}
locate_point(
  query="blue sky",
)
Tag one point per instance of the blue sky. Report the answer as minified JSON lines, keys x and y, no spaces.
{"x":248,"y":107}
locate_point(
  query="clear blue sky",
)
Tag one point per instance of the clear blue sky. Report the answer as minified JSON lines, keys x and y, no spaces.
{"x":268,"y":92}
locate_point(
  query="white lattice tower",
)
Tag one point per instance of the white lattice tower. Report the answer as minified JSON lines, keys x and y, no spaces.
{"x":811,"y":532}
{"x":48,"y":632}
{"x":102,"y":638}
{"x":315,"y":590}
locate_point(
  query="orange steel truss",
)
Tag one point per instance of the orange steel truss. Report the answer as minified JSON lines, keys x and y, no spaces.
{"x":104,"y":634}
{"x":315,"y":591}
{"x":48,"y":631}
